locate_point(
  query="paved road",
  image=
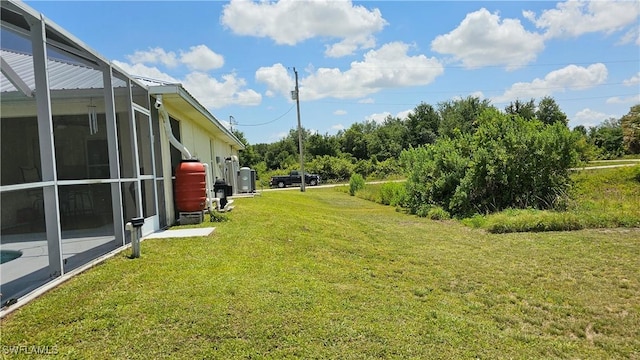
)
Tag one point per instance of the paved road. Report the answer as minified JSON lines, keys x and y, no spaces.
{"x":306,"y":187}
{"x":611,"y":164}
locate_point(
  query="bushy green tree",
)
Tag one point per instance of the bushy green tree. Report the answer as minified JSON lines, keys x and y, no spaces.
{"x":355,"y":139}
{"x":630,"y":124}
{"x":585,"y":149}
{"x":281,"y":154}
{"x":387,"y":140}
{"x":386,"y":168}
{"x":372,"y":149}
{"x":549,"y":112}
{"x":526,"y":110}
{"x":330,"y":168}
{"x":320,"y":145}
{"x":364,"y":167}
{"x":608,"y":138}
{"x":460,"y":115}
{"x":422,"y":125}
{"x":507,"y":162}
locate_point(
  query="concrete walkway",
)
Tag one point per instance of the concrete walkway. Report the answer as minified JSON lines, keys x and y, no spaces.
{"x":180,"y":233}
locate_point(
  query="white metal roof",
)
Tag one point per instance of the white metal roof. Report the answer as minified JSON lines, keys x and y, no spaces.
{"x":69,"y":75}
{"x":62,"y":75}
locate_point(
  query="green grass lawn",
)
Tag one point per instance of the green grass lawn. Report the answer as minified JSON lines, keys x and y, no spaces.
{"x":322,"y":275}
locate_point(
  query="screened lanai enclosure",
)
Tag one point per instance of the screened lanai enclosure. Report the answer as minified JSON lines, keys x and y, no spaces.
{"x":81,"y":153}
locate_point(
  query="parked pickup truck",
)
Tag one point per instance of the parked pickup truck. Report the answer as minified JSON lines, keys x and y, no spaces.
{"x":294,"y":178}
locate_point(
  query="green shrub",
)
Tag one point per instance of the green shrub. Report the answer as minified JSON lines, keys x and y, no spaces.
{"x":434,"y":173}
{"x":356,"y":182}
{"x":364,"y":167}
{"x":476,"y":221}
{"x":438,"y":213}
{"x":385,"y":169}
{"x":507,"y":162}
{"x":422,"y":210}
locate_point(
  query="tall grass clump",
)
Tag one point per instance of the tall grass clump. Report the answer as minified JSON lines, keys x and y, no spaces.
{"x":636,"y":172}
{"x":608,"y":197}
{"x":529,"y":220}
{"x":389,"y":193}
{"x":604,"y":198}
{"x":393,"y":193}
{"x":356,"y":183}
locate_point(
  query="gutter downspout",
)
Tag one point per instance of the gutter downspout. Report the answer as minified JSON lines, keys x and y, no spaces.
{"x":210,"y":197}
{"x":164,"y":116}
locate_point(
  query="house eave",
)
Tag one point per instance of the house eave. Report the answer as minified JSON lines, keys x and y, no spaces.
{"x":177,"y":97}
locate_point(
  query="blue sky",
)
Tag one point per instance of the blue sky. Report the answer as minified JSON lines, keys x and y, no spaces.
{"x":361,"y":61}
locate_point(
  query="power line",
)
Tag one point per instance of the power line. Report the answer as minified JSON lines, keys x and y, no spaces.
{"x":450,"y":66}
{"x":271,"y":121}
{"x":502,"y":102}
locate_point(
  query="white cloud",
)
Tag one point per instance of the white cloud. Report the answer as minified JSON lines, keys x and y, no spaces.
{"x":225,"y":123}
{"x":381,"y":117}
{"x":154,"y":56}
{"x":216,"y":94}
{"x":378,"y":117}
{"x":209,"y":91}
{"x":387,"y":67}
{"x":366,"y":101}
{"x":482,"y":39}
{"x":277,"y":79}
{"x":337,"y":127}
{"x":201,"y":58}
{"x":340,"y":112}
{"x":571,"y":77}
{"x":634,"y":80}
{"x":349,"y":46}
{"x":289,"y":22}
{"x":631,"y":37}
{"x":477,"y":94}
{"x":404,"y":114}
{"x":589,"y":118}
{"x":574,"y":18}
{"x":145,"y":71}
{"x":633,"y":99}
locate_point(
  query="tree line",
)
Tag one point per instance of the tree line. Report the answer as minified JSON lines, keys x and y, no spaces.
{"x":374,"y":150}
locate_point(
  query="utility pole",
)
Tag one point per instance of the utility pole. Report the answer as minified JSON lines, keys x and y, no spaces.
{"x":297,"y":96}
